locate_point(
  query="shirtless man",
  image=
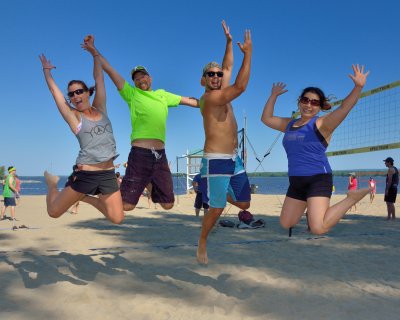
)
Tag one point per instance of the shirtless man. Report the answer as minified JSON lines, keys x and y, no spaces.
{"x":222,"y":170}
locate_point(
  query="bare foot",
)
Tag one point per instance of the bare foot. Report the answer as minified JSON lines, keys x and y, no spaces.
{"x":51,"y":180}
{"x":202,"y":253}
{"x":357,"y":195}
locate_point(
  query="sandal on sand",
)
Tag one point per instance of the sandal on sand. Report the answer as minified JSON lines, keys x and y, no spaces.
{"x":23,"y":227}
{"x":14,"y":228}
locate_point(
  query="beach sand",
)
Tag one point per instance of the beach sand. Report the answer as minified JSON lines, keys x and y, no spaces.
{"x":83,"y":267}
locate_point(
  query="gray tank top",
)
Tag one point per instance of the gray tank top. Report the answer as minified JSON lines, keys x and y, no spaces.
{"x":96,"y":140}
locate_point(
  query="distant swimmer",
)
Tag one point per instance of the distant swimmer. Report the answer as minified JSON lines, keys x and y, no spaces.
{"x":305,"y":142}
{"x":92,"y":127}
{"x":222,"y":170}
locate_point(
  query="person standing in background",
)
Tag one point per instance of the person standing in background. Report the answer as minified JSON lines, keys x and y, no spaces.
{"x":353,"y":185}
{"x":9,"y":193}
{"x":18,"y":187}
{"x":392,"y":181}
{"x":198,"y":202}
{"x":372,"y":188}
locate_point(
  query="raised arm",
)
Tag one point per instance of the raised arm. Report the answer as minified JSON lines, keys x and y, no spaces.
{"x":99,"y":100}
{"x":190,"y":101}
{"x":327,"y":124}
{"x":267,"y":117}
{"x":226,"y":95}
{"x":62,"y":104}
{"x":227,"y":62}
{"x":115,"y":77}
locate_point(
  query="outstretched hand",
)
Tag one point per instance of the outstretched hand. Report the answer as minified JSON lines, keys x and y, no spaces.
{"x":278,"y":89}
{"x":88,"y":44}
{"x":247,"y":44}
{"x":46,"y":64}
{"x":226,"y":31}
{"x":359,"y":78}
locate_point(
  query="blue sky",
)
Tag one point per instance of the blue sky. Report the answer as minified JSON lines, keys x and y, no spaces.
{"x":301,"y":43}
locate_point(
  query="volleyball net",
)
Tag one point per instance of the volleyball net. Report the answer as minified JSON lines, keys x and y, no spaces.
{"x":372,"y":125}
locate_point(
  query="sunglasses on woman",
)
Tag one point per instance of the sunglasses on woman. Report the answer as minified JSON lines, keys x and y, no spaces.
{"x":78,"y":92}
{"x":313,"y":102}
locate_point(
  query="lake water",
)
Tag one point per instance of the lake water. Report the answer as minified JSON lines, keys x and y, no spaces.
{"x":265,"y":185}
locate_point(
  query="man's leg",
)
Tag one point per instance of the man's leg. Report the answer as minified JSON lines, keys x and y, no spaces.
{"x":3,"y":211}
{"x":162,"y":185}
{"x":12,"y":213}
{"x":137,"y":177}
{"x":198,"y":202}
{"x":209,"y":221}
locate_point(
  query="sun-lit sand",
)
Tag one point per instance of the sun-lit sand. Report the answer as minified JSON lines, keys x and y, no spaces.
{"x":83,"y":267}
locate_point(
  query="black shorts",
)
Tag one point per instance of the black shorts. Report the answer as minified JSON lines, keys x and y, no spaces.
{"x":302,"y":188}
{"x":198,"y":202}
{"x":9,"y":202}
{"x":94,"y":182}
{"x":145,"y":166}
{"x":392,"y":195}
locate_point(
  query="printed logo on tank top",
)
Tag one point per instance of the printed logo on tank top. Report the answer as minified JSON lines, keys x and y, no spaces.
{"x":295,"y":136}
{"x":99,"y":130}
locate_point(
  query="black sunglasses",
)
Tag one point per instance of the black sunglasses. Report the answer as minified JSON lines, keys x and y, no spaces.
{"x":313,"y":102}
{"x":211,"y":74}
{"x":78,"y":92}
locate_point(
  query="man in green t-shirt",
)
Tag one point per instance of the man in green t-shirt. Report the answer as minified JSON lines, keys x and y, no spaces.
{"x":147,"y":162}
{"x":9,"y":193}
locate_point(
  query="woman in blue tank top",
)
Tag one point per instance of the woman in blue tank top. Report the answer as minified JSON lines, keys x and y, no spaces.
{"x":305,"y":143}
{"x":91,"y":126}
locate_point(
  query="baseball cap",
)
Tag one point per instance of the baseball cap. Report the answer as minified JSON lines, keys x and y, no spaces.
{"x":352,"y":174}
{"x":209,"y":65}
{"x":389,"y":159}
{"x":139,"y":69}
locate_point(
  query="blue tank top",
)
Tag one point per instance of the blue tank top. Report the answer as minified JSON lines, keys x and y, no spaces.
{"x":305,"y":148}
{"x":96,"y":140}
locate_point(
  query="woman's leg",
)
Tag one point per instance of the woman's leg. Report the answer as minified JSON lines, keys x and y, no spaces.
{"x":113,"y":206}
{"x":322,"y":217}
{"x":59,"y":202}
{"x":292,"y":211}
{"x":110,"y":205}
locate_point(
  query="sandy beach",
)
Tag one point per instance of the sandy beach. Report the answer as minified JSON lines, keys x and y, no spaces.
{"x":83,"y":267}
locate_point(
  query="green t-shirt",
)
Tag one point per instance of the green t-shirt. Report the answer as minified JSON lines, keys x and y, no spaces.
{"x":149,"y":111}
{"x":7,"y":192}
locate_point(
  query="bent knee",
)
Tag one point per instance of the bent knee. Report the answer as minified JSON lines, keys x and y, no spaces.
{"x":244,"y":205}
{"x":167,"y":206}
{"x":117,"y":219}
{"x":128,"y":206}
{"x":286,"y":224}
{"x":54,"y":214}
{"x":318,"y":230}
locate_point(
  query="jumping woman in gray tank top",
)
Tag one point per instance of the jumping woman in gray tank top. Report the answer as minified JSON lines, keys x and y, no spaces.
{"x":91,"y":126}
